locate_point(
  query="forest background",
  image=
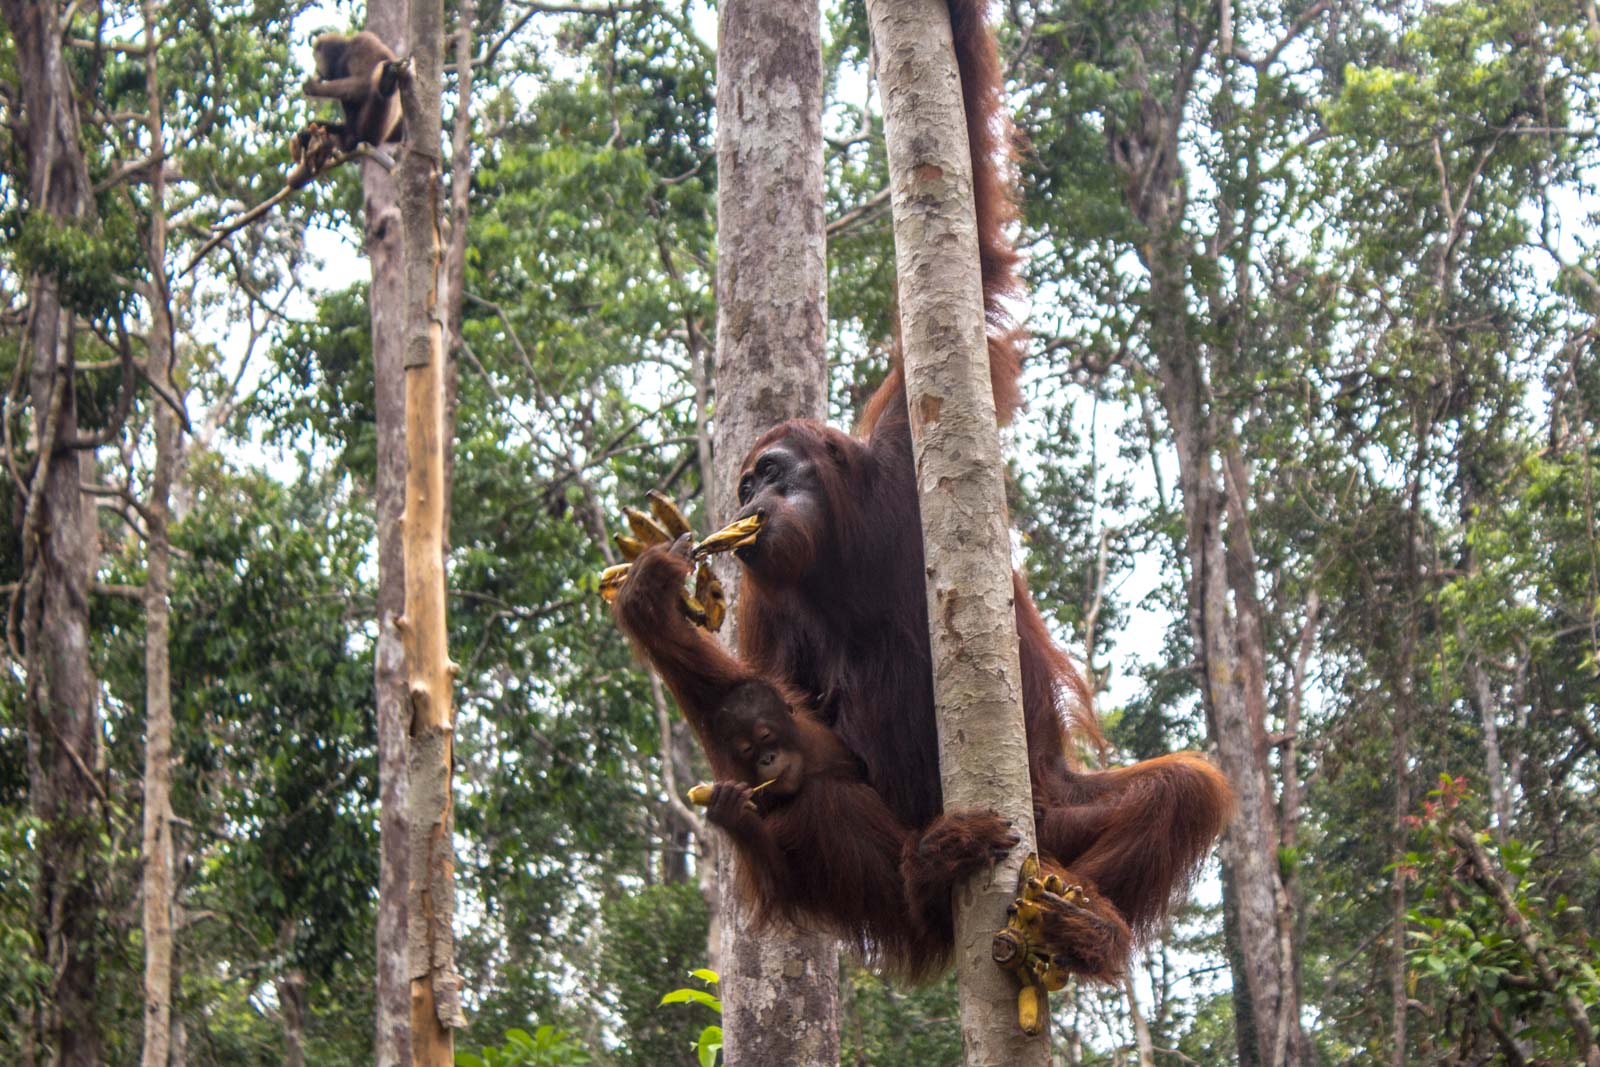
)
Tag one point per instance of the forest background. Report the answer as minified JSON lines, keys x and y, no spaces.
{"x":1314,"y":298}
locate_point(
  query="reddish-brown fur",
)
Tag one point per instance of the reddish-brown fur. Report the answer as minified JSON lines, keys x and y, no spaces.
{"x":353,"y":70}
{"x":834,"y":614}
{"x":817,"y":845}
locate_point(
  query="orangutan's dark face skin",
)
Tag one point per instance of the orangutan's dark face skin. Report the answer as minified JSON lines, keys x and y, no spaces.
{"x":783,"y":484}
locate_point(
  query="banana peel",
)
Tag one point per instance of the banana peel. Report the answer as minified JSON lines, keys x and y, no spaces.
{"x":737,"y":534}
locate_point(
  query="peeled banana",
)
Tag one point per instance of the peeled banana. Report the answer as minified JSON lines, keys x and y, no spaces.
{"x":736,"y":534}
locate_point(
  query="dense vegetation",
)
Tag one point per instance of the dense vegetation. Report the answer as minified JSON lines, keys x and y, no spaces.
{"x":1317,"y":279}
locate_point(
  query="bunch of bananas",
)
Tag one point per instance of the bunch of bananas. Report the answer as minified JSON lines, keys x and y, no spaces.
{"x":1020,"y":946}
{"x":706,"y":605}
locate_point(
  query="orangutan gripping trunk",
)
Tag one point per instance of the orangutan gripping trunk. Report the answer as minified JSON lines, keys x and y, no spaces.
{"x":833,"y":624}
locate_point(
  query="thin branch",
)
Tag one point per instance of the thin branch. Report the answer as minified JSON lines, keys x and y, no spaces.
{"x":871,"y":206}
{"x":222,"y":231}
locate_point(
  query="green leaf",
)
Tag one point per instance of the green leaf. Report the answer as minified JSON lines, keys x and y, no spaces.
{"x":693,"y":996}
{"x":709,"y":1045}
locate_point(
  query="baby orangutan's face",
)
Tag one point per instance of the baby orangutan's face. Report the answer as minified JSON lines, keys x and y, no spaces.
{"x":766,"y":756}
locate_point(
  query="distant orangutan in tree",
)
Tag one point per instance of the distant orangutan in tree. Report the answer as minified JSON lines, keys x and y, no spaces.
{"x":358,"y":71}
{"x":833,"y":624}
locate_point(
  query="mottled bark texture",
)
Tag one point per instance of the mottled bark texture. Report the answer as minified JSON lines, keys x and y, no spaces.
{"x":63,"y":723}
{"x":430,"y":907}
{"x":983,"y":752}
{"x":780,"y":988}
{"x":157,"y":831}
{"x":386,"y":305}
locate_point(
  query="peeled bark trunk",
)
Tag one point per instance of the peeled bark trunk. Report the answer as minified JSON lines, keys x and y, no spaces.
{"x":63,"y":722}
{"x":386,"y":304}
{"x":977,"y":677}
{"x":435,"y":985}
{"x":780,"y":988}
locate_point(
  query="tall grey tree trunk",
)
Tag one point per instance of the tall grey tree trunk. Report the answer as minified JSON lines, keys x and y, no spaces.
{"x":977,"y":677}
{"x":63,"y":722}
{"x":1227,"y":640}
{"x":291,"y":990}
{"x":1225,"y":617}
{"x":157,"y":837}
{"x":386,"y":305}
{"x":780,"y":990}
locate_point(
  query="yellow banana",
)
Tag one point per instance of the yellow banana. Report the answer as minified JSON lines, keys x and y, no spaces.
{"x":668,"y":514}
{"x":736,"y":534}
{"x":708,"y":593}
{"x":630,"y":547}
{"x":645,"y":528}
{"x":700,"y":794}
{"x":1030,"y":1009}
{"x":693,"y":610}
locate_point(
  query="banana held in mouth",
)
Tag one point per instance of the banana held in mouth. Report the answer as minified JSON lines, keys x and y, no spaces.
{"x":737,"y":534}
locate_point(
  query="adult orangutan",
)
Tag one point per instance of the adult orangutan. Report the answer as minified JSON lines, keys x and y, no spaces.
{"x":833,"y":615}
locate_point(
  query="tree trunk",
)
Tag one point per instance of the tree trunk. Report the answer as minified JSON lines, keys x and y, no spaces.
{"x":455,"y":253}
{"x":386,"y":304}
{"x":780,"y":989}
{"x":977,"y":678}
{"x":291,"y":989}
{"x":430,"y":906}
{"x":1267,"y":1016}
{"x":63,"y":723}
{"x":157,"y":840}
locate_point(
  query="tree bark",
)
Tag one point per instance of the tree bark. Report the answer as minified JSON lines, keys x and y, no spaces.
{"x":63,"y":721}
{"x":780,"y":989}
{"x":435,"y":985}
{"x":157,"y":836}
{"x":977,"y":678}
{"x":386,"y":304}
{"x":291,"y":989}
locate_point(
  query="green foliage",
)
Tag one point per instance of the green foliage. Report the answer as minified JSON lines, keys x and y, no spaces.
{"x":880,"y":1024}
{"x":1472,"y":961}
{"x":87,"y":261}
{"x":653,"y":937}
{"x":545,"y":1047}
{"x":708,"y":1045}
